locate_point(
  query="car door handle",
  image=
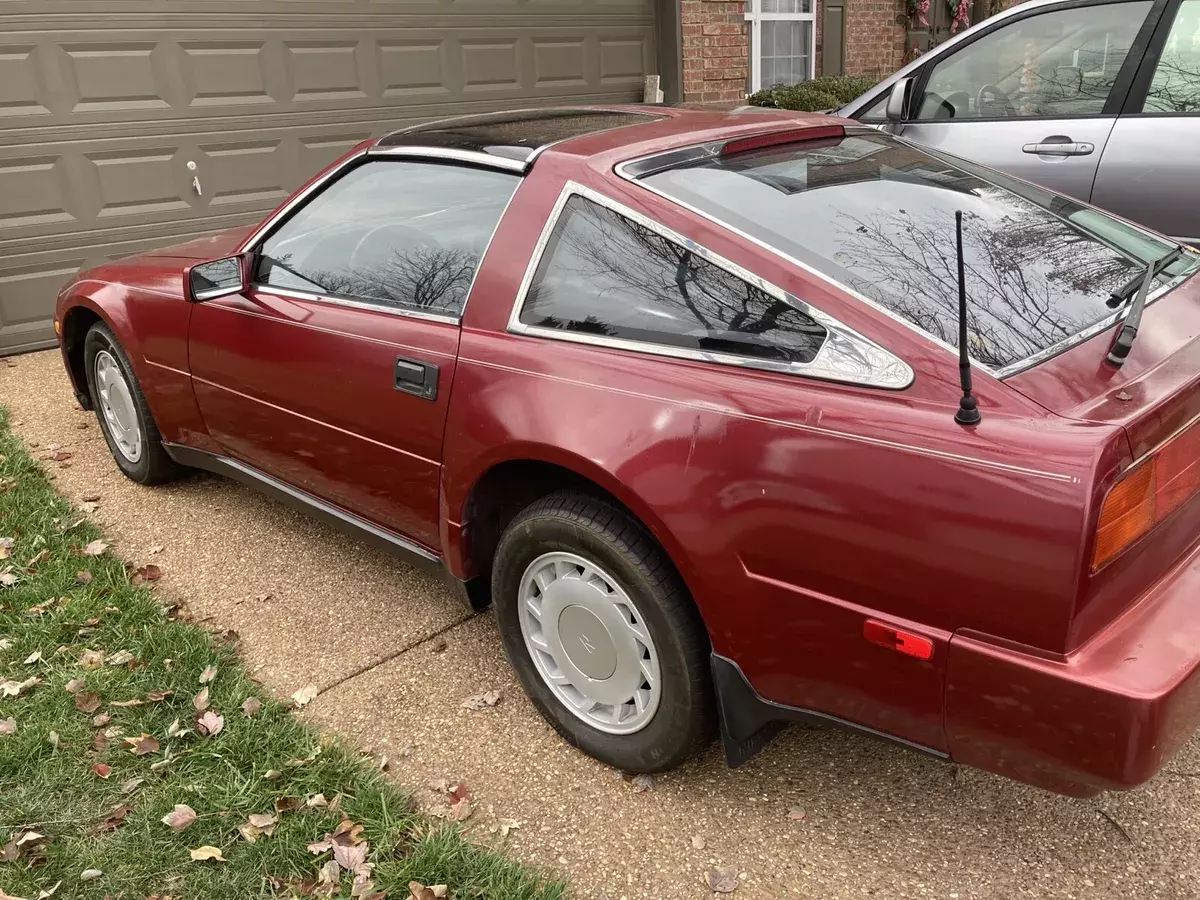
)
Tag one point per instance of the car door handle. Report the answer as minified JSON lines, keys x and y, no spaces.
{"x":1065,"y":148}
{"x":415,"y":377}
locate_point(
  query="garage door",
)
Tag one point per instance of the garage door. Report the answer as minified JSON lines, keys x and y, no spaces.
{"x":128,"y":124}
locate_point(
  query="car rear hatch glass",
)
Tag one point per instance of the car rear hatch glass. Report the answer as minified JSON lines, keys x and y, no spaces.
{"x":877,"y":216}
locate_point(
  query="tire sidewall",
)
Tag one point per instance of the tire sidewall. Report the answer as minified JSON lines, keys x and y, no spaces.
{"x":100,"y":338}
{"x":670,"y":733}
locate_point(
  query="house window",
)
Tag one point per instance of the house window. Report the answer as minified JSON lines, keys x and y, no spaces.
{"x":782,"y":41}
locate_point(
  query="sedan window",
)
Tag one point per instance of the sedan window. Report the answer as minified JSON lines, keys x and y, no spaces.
{"x":397,"y":233}
{"x":1058,"y":63}
{"x":606,"y":275}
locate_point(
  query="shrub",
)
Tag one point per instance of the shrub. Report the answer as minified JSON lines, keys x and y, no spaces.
{"x":816,"y":95}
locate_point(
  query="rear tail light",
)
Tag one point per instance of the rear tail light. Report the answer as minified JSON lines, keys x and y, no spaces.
{"x":774,"y":138}
{"x":1147,"y":493}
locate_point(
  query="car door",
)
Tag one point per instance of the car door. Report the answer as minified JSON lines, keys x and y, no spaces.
{"x":1038,"y":94}
{"x":332,"y":371}
{"x":1148,"y":171}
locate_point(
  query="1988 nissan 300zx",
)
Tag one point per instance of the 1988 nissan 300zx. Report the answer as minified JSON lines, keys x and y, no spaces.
{"x":679,"y":394}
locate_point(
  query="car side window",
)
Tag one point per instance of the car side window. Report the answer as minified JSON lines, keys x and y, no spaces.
{"x":604,"y":274}
{"x":876,"y":112}
{"x":398,"y":233}
{"x":1175,"y":87}
{"x":1055,"y":64}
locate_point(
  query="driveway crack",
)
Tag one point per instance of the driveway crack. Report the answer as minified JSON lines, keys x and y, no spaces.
{"x":388,"y":657}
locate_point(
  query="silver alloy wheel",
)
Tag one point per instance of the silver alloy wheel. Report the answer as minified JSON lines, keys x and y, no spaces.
{"x":589,"y":643}
{"x":116,"y":405}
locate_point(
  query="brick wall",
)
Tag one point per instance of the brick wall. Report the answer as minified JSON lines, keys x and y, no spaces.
{"x":715,"y":50}
{"x":874,"y":40}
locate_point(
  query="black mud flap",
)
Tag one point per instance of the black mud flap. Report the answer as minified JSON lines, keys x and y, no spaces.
{"x":749,"y":722}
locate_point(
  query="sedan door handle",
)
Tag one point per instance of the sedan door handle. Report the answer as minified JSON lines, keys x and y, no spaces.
{"x":415,"y":377}
{"x":1065,"y":148}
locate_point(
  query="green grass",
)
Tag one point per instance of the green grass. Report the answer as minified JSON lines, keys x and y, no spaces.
{"x":55,"y":792}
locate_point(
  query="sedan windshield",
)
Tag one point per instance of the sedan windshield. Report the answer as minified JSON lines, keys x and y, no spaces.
{"x":877,"y":215}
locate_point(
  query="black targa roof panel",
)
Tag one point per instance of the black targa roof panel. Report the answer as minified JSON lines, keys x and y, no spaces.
{"x":515,"y":135}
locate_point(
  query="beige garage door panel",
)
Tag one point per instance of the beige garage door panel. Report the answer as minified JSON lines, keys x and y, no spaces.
{"x":105,"y":103}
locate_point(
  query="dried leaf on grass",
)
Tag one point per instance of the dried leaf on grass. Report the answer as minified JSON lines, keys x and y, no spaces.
{"x":418,"y":891}
{"x":209,"y":723}
{"x":180,"y":817}
{"x":206,"y":852}
{"x":83,"y":576}
{"x":90,"y":874}
{"x":142,"y":745}
{"x":200,"y":701}
{"x":209,"y":673}
{"x":485,"y":700}
{"x":120,"y":658}
{"x":91,"y":659}
{"x":87,"y":701}
{"x":128,"y":787}
{"x":74,"y":686}
{"x":94,"y":548}
{"x":8,"y":726}
{"x":46,"y":893}
{"x":251,"y":706}
{"x":103,"y":770}
{"x":113,"y":818}
{"x":33,"y":657}
{"x":256,"y":825}
{"x":14,"y":688}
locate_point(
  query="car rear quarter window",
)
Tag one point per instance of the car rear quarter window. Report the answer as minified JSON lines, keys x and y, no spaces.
{"x":604,"y":274}
{"x":877,"y":216}
{"x":396,"y":233}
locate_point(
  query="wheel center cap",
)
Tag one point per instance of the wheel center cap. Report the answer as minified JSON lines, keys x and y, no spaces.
{"x":587,"y":642}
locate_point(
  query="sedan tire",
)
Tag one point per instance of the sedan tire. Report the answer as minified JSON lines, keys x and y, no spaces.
{"x":602,"y":633}
{"x":120,"y":406}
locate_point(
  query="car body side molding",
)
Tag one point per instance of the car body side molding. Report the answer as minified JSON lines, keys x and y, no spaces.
{"x":749,"y":721}
{"x":412,"y":553}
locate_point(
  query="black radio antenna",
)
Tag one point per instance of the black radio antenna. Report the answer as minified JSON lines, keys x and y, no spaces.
{"x":968,"y":409}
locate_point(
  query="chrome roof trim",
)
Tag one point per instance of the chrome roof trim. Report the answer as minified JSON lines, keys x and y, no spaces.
{"x":846,"y":356}
{"x":474,"y":157}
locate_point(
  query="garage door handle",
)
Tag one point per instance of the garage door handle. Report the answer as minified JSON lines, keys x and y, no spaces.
{"x":1050,"y":148}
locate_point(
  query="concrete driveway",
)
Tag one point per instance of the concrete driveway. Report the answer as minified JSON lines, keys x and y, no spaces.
{"x":394,"y":656}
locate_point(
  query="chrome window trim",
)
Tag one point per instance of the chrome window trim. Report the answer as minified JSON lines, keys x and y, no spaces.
{"x":634,"y":170}
{"x":251,"y":244}
{"x":845,"y":356}
{"x":292,"y":294}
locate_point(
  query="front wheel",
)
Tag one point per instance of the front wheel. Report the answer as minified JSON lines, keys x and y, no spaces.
{"x":602,"y":633}
{"x":121,"y":408}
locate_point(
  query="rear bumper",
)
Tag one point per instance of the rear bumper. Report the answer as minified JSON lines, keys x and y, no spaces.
{"x":1105,"y":718}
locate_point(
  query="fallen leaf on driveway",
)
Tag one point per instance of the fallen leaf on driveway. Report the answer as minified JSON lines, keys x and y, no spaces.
{"x":148,"y":572}
{"x":482,"y":701}
{"x":722,"y":881}
{"x":90,"y":498}
{"x":142,"y":744}
{"x":210,"y":723}
{"x":87,"y":701}
{"x":157,"y":548}
{"x":94,"y":548}
{"x":698,"y":841}
{"x":103,"y":770}
{"x":305,"y":695}
{"x":8,"y":726}
{"x":206,"y":852}
{"x":251,"y":706}
{"x":200,"y":701}
{"x":642,"y":783}
{"x":796,"y":814}
{"x":90,"y":874}
{"x":209,"y":673}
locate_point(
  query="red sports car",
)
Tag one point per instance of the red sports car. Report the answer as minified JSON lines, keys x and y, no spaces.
{"x":736,"y":419}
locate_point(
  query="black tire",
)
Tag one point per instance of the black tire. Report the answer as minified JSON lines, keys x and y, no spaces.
{"x":154,"y":466}
{"x":600,"y":531}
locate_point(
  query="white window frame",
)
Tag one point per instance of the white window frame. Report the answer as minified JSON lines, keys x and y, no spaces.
{"x":756,"y":17}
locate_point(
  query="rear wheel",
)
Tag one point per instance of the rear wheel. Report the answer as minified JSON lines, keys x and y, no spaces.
{"x":602,"y":634}
{"x":120,"y":406}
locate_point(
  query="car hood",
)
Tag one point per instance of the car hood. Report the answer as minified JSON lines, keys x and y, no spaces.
{"x":211,"y":246}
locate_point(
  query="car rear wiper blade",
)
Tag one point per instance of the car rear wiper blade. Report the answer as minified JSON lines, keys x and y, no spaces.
{"x":1122,"y":294}
{"x":1129,"y":328}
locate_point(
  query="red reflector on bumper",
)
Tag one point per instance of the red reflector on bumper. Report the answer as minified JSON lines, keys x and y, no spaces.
{"x":906,"y":642}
